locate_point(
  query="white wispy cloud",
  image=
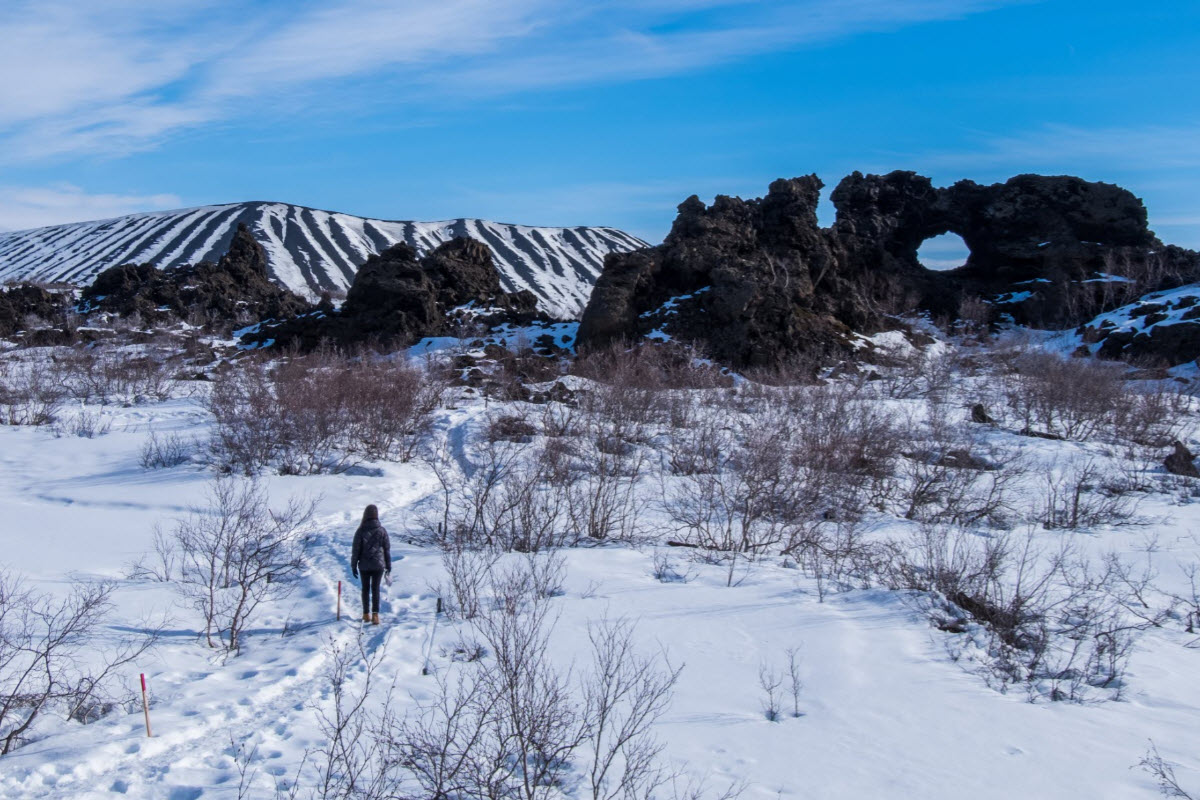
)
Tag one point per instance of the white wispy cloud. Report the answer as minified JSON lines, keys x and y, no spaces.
{"x":1123,"y":148}
{"x":32,"y":207}
{"x":81,"y":78}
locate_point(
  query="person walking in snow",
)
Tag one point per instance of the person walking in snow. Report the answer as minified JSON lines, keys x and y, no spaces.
{"x":371,"y":556}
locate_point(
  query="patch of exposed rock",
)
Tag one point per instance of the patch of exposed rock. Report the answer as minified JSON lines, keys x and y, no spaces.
{"x":22,"y":302}
{"x":399,"y":297}
{"x":756,"y":281}
{"x":236,"y":288}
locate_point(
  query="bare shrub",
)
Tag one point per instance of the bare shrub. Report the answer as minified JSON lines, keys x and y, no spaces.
{"x":514,"y":725}
{"x":107,"y":375}
{"x":1084,"y":494}
{"x":28,"y":395}
{"x":1072,"y":398}
{"x":161,"y":565}
{"x":353,"y":759}
{"x":795,"y":684}
{"x":236,"y":553}
{"x":468,"y":574}
{"x":770,"y":681}
{"x":84,"y":423}
{"x":625,"y":694}
{"x":910,"y":371}
{"x":167,"y":451}
{"x":1153,"y":415}
{"x":53,"y":659}
{"x":1051,"y":623}
{"x":1190,"y":600}
{"x":763,"y":481}
{"x":949,"y":476}
{"x":511,"y":427}
{"x":528,"y":496}
{"x":320,"y":413}
{"x":666,"y":570}
{"x":1163,"y":773}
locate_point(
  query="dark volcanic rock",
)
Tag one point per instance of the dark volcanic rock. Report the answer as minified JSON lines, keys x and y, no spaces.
{"x":1162,"y":344}
{"x":237,"y":288}
{"x":22,"y":301}
{"x":1181,"y":462}
{"x":756,"y":280}
{"x":398,"y":298}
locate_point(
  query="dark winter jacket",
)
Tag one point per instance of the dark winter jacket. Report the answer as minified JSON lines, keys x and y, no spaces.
{"x":372,"y":552}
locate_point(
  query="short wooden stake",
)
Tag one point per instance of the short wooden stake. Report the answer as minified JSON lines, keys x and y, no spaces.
{"x":339,"y":601}
{"x":145,"y":705}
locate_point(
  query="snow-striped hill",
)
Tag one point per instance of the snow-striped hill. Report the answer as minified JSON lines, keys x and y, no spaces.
{"x":310,"y":250}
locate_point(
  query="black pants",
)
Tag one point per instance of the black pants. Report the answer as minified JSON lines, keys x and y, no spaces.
{"x":370,"y":589}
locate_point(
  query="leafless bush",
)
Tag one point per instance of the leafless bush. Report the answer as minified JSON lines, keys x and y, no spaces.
{"x":168,"y":451}
{"x":52,"y":657}
{"x":770,"y":681}
{"x":28,"y":396}
{"x":912,"y":371}
{"x":1163,"y":773}
{"x":468,"y":574}
{"x":529,"y":496}
{"x":623,"y":696}
{"x":1153,"y":415}
{"x":161,"y":565}
{"x":1050,"y":621}
{"x":353,"y":760}
{"x":514,"y":725}
{"x":320,"y":413}
{"x":1189,"y":601}
{"x":665,"y":570}
{"x":949,"y":476}
{"x":108,"y":375}
{"x":762,"y":481}
{"x":1084,"y":494}
{"x":795,"y":684}
{"x":1072,"y":398}
{"x":629,"y":382}
{"x":84,"y":423}
{"x":511,"y":427}
{"x":236,"y":553}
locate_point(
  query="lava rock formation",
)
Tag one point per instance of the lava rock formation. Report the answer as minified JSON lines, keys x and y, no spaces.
{"x":398,"y":297}
{"x":755,"y":281}
{"x":238,"y":287}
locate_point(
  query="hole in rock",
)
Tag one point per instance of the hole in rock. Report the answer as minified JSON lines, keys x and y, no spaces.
{"x":947,"y":251}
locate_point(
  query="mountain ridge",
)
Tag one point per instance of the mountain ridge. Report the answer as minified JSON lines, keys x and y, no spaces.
{"x":312,"y":250}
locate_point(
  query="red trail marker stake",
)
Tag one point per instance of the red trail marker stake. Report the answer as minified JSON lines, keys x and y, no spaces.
{"x":145,"y":705}
{"x":339,"y":601}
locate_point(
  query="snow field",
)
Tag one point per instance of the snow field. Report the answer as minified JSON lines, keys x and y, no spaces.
{"x":886,"y":710}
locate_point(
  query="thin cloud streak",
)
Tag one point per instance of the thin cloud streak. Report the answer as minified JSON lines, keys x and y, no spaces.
{"x":128,"y":76}
{"x":24,"y":207}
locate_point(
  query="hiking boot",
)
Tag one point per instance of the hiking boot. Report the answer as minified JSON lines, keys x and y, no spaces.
{"x":375,"y":619}
{"x":366,"y":617}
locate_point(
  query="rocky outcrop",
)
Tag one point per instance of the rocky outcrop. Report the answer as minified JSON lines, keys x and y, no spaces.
{"x":23,"y":302}
{"x":398,"y":297}
{"x":238,"y":287}
{"x":755,"y":281}
{"x":1181,"y":461}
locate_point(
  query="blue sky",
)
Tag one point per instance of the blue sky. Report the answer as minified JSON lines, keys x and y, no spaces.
{"x":563,"y":113}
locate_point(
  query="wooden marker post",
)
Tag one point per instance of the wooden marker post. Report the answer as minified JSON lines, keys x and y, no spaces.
{"x":145,"y":705}
{"x":339,"y":601}
{"x":432,"y":633}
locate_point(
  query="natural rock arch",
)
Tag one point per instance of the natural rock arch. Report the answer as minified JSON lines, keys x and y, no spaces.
{"x":759,"y":279}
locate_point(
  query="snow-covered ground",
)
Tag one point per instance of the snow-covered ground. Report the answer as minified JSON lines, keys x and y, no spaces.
{"x":886,"y":711}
